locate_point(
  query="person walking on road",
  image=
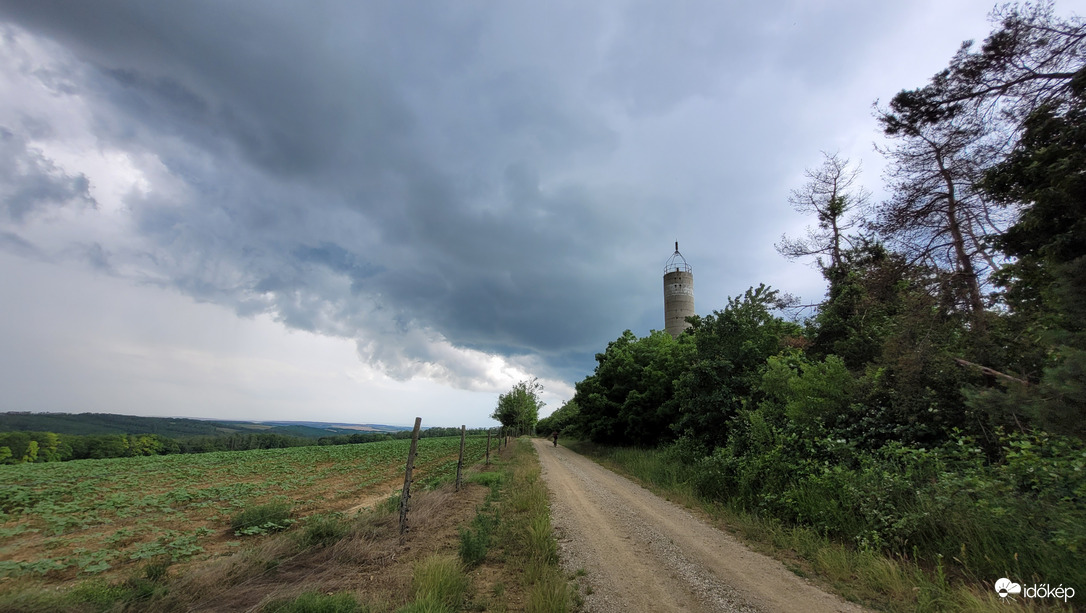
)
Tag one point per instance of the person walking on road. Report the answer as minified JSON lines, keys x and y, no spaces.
{"x":554,"y":437}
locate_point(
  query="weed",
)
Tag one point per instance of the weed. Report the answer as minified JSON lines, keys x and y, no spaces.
{"x":323,"y":530}
{"x":491,"y":478}
{"x":549,"y":595}
{"x":439,"y":584}
{"x":473,"y":546}
{"x":475,"y":540}
{"x":541,"y":543}
{"x":313,"y":602}
{"x":262,"y":519}
{"x":156,"y":570}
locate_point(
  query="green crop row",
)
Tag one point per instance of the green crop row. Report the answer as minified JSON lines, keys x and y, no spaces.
{"x":96,"y":514}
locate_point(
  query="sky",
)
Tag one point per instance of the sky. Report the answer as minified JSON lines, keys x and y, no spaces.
{"x":365,"y":212}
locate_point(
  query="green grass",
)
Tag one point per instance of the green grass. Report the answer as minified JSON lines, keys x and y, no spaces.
{"x":528,"y":537}
{"x":313,"y":602}
{"x":475,"y":539}
{"x":439,"y":584}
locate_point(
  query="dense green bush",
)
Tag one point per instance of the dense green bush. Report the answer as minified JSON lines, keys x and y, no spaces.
{"x":1024,"y":516}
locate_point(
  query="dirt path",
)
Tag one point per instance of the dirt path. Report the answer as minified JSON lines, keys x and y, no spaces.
{"x":643,"y":553}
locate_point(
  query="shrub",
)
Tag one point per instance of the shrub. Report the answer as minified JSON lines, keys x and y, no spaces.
{"x":475,"y":540}
{"x":262,"y":519}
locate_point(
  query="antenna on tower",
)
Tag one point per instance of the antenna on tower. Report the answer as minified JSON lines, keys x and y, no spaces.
{"x":676,"y":263}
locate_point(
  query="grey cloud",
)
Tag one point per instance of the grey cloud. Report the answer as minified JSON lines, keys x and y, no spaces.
{"x":13,"y":243}
{"x":441,"y":158}
{"x":31,"y":182}
{"x":503,"y":177}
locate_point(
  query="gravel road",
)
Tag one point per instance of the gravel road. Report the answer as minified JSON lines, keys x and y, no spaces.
{"x":643,"y":553}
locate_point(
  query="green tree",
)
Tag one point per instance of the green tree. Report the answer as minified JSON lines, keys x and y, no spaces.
{"x":17,"y":443}
{"x":518,"y":409}
{"x":630,"y":397}
{"x":1045,"y":285}
{"x":855,"y":318}
{"x":31,"y":454}
{"x":730,"y":352}
{"x":49,"y":447}
{"x":806,"y":391}
{"x":953,"y":129}
{"x":1027,"y":62}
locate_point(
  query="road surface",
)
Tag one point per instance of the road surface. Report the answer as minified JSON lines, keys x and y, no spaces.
{"x":643,"y":553}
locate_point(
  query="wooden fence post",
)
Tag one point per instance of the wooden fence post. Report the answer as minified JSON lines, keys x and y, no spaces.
{"x":405,"y":495}
{"x":488,"y":447}
{"x":460,"y":462}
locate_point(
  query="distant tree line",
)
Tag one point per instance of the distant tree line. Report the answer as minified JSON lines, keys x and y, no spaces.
{"x":23,"y":447}
{"x":934,"y":402}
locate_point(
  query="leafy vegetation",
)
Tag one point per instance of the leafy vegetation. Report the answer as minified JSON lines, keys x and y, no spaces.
{"x":262,"y":519}
{"x":518,"y":409}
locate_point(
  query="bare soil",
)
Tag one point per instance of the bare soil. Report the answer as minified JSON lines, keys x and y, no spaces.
{"x":643,"y":553}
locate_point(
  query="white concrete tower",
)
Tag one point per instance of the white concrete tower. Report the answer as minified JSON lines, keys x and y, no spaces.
{"x":678,"y":293}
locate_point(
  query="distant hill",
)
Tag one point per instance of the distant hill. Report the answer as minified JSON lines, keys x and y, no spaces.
{"x":172,"y":427}
{"x":340,"y":426}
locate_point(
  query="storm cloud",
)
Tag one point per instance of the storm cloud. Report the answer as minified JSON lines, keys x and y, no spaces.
{"x":459,"y":188}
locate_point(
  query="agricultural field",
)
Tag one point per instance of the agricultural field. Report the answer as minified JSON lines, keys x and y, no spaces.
{"x":96,"y":517}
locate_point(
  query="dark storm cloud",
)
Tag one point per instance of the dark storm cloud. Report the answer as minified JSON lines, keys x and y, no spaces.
{"x":407,"y":174}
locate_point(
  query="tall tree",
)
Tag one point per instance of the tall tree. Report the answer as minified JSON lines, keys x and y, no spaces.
{"x":1046,"y":173}
{"x":629,"y":399}
{"x":1046,"y":283}
{"x":831,"y":192}
{"x":961,"y":123}
{"x":1027,"y":62}
{"x":936,"y":215}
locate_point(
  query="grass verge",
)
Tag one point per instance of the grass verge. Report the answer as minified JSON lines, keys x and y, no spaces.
{"x":528,"y":539}
{"x":875,"y":580}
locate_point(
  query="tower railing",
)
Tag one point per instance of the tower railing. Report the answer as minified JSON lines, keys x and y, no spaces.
{"x":676,"y":263}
